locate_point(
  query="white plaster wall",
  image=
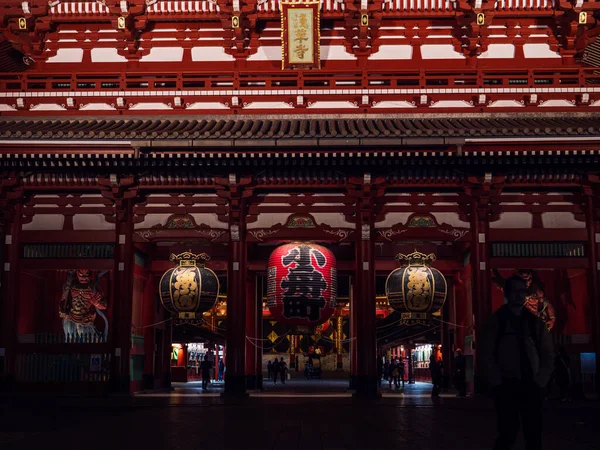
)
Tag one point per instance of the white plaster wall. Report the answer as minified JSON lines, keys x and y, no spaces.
{"x":451,"y":219}
{"x":392,"y":219}
{"x":440,"y":51}
{"x":91,"y":222}
{"x":152,"y":219}
{"x":214,"y":54}
{"x":266,"y":53}
{"x":100,"y":55}
{"x":513,"y":220}
{"x":499,"y":51}
{"x":67,"y":55}
{"x":393,"y":52}
{"x":209,"y":219}
{"x":335,"y":52}
{"x":335,"y":220}
{"x":45,"y":222}
{"x":560,"y":220}
{"x":539,"y":51}
{"x":164,"y":54}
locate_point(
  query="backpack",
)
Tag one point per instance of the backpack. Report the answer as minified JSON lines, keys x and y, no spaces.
{"x":504,"y":316}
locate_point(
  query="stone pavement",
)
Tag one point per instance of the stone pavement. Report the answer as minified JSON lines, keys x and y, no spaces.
{"x":287,"y":417}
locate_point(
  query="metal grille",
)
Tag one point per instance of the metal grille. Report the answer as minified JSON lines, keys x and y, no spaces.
{"x":538,"y":250}
{"x":68,"y":251}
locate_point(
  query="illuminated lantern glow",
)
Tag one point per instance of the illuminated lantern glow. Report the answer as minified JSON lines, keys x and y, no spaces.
{"x":190,"y":288}
{"x":302,"y":285}
{"x":416,"y":289}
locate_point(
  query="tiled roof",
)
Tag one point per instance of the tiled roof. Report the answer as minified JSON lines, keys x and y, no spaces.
{"x":271,"y":130}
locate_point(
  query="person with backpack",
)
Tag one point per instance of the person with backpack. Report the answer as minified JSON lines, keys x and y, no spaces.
{"x":518,"y":358}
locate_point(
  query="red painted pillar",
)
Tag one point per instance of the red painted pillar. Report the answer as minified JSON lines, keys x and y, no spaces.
{"x":259,"y":333}
{"x":253,"y":341}
{"x":364,"y":305}
{"x":148,"y":318}
{"x":235,"y":376}
{"x":123,"y":294}
{"x":10,"y":291}
{"x":352,"y":337}
{"x":593,"y":237}
{"x":481,"y":292}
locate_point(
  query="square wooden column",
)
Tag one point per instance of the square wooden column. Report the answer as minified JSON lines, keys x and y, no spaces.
{"x":364,"y":311}
{"x":11,"y":257}
{"x":122,"y":301}
{"x":254,"y":335}
{"x":235,"y":360}
{"x":480,"y":286}
{"x":592,"y":219}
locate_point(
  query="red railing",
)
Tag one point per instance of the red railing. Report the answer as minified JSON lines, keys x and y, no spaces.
{"x":365,"y":89}
{"x":97,"y":81}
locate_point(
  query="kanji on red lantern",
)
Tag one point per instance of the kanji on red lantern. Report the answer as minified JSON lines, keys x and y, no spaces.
{"x":302,"y":284}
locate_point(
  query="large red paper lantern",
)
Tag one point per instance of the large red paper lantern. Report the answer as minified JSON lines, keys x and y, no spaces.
{"x":302,"y":284}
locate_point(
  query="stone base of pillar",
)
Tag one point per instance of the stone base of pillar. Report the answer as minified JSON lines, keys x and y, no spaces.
{"x":252,"y":382}
{"x":167,"y":380}
{"x":481,"y":384}
{"x":366,"y":387}
{"x":235,"y":386}
{"x":148,"y":381}
{"x":352,"y":383}
{"x":120,"y":384}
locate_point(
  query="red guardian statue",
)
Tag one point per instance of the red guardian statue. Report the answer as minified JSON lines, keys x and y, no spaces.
{"x":80,"y":302}
{"x":536,"y":301}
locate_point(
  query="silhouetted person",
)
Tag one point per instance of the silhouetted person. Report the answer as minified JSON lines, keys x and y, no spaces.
{"x":221,"y":369}
{"x":562,"y":374}
{"x":282,"y":369}
{"x":460,"y":373}
{"x":518,"y":357}
{"x":205,"y":368}
{"x":401,"y":371}
{"x":269,"y":370}
{"x":275,"y":370}
{"x":297,"y":363}
{"x":435,"y":367}
{"x":379,"y":370}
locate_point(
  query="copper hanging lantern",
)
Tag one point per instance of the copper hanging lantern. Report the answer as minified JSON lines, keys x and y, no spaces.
{"x":189,"y":289}
{"x":416,"y":289}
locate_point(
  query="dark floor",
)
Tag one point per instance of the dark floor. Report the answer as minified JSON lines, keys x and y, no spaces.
{"x":313,"y":415}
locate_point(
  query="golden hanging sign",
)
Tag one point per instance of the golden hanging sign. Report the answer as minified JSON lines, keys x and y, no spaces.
{"x":364,"y":20}
{"x":582,"y":18}
{"x":235,"y":22}
{"x":121,"y":23}
{"x":480,"y":19}
{"x":22,"y":23}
